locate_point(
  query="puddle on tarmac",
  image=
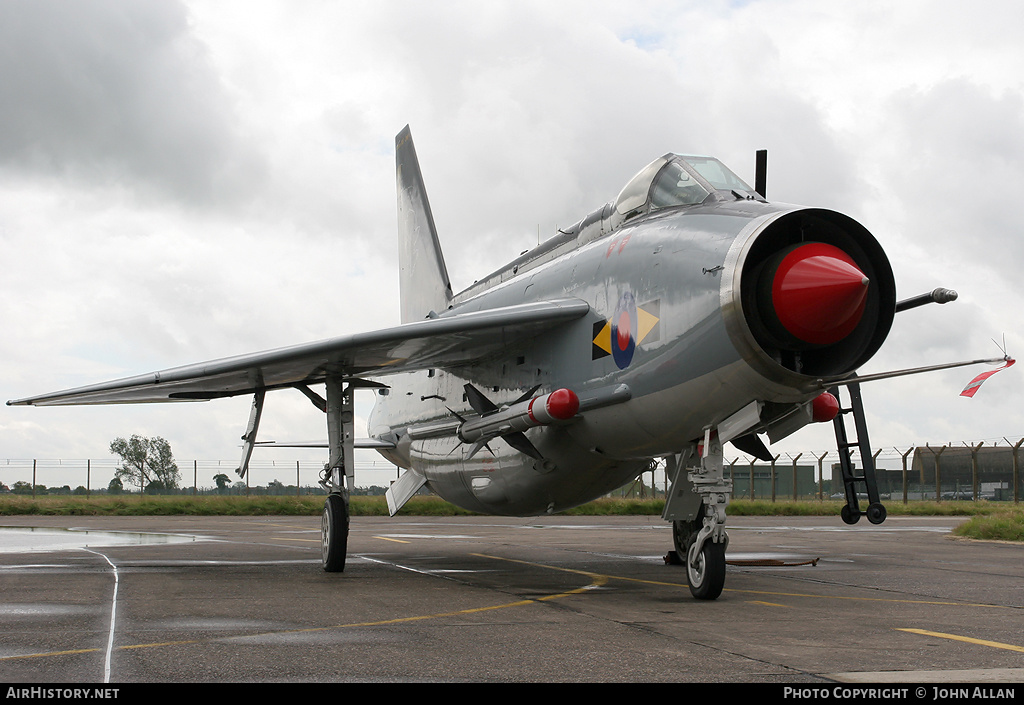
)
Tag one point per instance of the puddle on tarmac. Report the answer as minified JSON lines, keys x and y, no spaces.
{"x":29,"y":539}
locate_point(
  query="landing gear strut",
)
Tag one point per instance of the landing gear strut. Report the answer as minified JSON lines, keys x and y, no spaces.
{"x":338,"y":475}
{"x":696,"y":508}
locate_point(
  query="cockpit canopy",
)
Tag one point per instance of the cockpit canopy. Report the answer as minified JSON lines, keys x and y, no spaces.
{"x":669,"y":181}
{"x":676,"y":180}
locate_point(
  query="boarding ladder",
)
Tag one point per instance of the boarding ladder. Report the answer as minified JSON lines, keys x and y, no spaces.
{"x":852,"y":482}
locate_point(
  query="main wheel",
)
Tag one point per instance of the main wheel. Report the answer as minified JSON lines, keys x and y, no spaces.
{"x":876,"y":513}
{"x":683,"y":534}
{"x":334,"y":533}
{"x":705,"y":570}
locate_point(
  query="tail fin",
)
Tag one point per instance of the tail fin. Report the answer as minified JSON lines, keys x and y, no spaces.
{"x":423,"y":277}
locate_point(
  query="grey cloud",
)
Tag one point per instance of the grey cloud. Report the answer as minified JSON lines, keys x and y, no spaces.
{"x":960,"y":147}
{"x":115,"y":93}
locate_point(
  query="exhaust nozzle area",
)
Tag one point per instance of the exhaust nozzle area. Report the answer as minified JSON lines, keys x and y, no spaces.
{"x":816,"y":295}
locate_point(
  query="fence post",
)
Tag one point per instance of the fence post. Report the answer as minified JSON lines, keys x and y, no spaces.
{"x":773,"y":476}
{"x":821,"y":475}
{"x":904,"y":471}
{"x":874,"y":459}
{"x":752,"y":461}
{"x":1016,"y":473}
{"x":974,"y":468}
{"x":794,"y":473}
{"x":33,"y":478}
{"x":88,"y":479}
{"x":938,"y":472}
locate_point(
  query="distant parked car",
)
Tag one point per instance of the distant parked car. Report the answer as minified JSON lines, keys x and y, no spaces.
{"x":959,"y":494}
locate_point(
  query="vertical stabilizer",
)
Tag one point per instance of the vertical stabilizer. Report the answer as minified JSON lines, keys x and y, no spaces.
{"x":423,"y":277}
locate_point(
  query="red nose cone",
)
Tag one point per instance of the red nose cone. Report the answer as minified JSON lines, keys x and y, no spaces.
{"x":819,"y":293}
{"x":563,"y":404}
{"x":825,"y":407}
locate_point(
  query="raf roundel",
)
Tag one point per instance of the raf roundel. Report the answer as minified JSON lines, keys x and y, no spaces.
{"x":624,"y":330}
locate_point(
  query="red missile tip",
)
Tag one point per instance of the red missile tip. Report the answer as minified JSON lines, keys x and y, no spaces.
{"x":825,"y":407}
{"x":563,"y":404}
{"x":819,"y":293}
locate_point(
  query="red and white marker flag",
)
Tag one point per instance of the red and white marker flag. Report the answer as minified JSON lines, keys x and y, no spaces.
{"x":975,"y":383}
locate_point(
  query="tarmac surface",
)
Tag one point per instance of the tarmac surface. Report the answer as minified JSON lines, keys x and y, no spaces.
{"x":553,"y":599}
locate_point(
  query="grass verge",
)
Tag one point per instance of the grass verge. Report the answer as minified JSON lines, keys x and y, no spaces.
{"x":1005,"y":525}
{"x":183,"y":505}
{"x":988,"y":520}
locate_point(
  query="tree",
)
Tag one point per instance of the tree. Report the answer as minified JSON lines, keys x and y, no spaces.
{"x":146,"y":462}
{"x":222,"y":481}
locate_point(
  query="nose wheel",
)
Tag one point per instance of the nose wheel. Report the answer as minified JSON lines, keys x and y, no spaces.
{"x":696,"y":508}
{"x":705,"y":569}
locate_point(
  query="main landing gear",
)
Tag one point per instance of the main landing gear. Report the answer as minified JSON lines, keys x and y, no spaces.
{"x":338,"y":476}
{"x":696,"y":508}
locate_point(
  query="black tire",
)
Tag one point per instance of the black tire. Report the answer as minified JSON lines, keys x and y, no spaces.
{"x":334,"y":533}
{"x":876,"y":513}
{"x":848,"y":516}
{"x":705,"y":572}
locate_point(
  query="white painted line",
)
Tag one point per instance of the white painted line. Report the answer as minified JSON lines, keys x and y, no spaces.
{"x":113,"y":613}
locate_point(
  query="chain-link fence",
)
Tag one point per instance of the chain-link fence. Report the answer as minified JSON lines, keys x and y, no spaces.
{"x":38,"y":477}
{"x":969,"y":471}
{"x":988,"y":470}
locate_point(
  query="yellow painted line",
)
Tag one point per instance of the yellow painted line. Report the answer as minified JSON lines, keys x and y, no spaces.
{"x":768,"y":604}
{"x":597,"y":581}
{"x":752,"y":592}
{"x":943,"y":603}
{"x":969,"y":640}
{"x":159,"y":643}
{"x":89,"y":651}
{"x":587,"y":573}
{"x":317,"y":540}
{"x":50,"y":653}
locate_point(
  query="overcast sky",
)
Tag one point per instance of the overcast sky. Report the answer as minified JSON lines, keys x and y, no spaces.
{"x":183,"y":181}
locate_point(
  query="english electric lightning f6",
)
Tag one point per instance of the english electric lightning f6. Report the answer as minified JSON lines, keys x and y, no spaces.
{"x":687,"y":313}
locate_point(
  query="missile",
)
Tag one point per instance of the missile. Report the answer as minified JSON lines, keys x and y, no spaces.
{"x":559,"y":405}
{"x":508,"y":422}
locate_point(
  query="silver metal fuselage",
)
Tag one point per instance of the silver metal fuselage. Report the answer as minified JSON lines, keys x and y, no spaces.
{"x":699,"y":367}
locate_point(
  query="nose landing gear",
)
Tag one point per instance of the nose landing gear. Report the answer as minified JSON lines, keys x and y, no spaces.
{"x":696,"y":508}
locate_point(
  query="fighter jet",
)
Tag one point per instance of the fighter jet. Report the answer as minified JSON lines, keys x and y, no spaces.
{"x":687,"y":313}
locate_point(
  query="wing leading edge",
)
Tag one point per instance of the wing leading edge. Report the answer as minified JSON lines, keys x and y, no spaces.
{"x":446,"y":341}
